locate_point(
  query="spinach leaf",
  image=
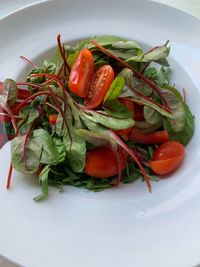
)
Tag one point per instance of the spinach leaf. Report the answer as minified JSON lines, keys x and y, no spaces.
{"x":33,"y":154}
{"x":76,"y":150}
{"x":136,"y":84}
{"x":50,"y":66}
{"x":151,"y":115}
{"x":28,"y":115}
{"x":115,"y":89}
{"x":106,"y":40}
{"x":175,"y":103}
{"x":117,"y":110}
{"x":43,"y":178}
{"x":126,"y":44}
{"x":158,"y":54}
{"x":108,"y":121}
{"x":9,"y":93}
{"x":60,"y":148}
{"x":186,"y":134}
{"x":50,"y":153}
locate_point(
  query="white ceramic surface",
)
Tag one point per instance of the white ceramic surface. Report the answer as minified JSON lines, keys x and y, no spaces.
{"x":117,"y":227}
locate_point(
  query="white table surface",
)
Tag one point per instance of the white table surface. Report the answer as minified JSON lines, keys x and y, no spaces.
{"x":6,"y":6}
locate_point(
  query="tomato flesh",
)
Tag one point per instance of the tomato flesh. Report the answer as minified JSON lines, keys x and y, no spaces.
{"x":101,"y":82}
{"x":167,"y":157}
{"x":81,"y":73}
{"x":101,"y":162}
{"x":130,"y":105}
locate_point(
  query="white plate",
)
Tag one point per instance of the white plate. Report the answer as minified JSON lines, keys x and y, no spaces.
{"x":118,"y":227}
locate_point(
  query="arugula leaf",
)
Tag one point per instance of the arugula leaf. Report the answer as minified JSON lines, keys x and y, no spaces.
{"x":33,"y":155}
{"x":76,"y":151}
{"x":43,"y":178}
{"x":115,"y":89}
{"x":50,"y":153}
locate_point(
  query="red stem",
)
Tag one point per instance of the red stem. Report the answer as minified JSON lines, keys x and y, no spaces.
{"x":62,"y":52}
{"x":9,"y":176}
{"x":26,"y":59}
{"x":136,"y":73}
{"x":131,"y":153}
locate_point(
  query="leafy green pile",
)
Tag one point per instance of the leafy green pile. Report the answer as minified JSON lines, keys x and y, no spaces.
{"x":57,"y":153}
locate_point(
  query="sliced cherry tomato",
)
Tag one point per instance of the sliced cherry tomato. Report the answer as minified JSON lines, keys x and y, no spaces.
{"x":101,"y":162}
{"x":157,"y":137}
{"x":138,"y":112}
{"x":101,"y":82}
{"x":167,"y":157}
{"x":53,"y":119}
{"x":130,"y":105}
{"x":81,"y":73}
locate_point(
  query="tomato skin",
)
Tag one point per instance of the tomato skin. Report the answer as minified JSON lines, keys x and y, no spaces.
{"x":102,"y":163}
{"x":101,"y":82}
{"x":130,"y":105}
{"x":157,"y":137}
{"x":81,"y":73}
{"x":53,"y":119}
{"x":138,"y":112}
{"x":167,"y":157}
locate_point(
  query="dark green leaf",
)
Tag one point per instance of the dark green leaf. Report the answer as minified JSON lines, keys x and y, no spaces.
{"x":76,"y":150}
{"x":117,"y":110}
{"x":115,"y":89}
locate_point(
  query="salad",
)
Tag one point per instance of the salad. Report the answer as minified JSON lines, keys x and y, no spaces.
{"x":99,"y":114}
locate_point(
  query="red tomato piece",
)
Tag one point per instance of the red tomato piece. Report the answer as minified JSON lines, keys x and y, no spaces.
{"x":157,"y":137}
{"x":138,"y":112}
{"x":167,"y":157}
{"x":101,"y":82}
{"x":130,"y":105}
{"x":101,"y":162}
{"x":53,"y":119}
{"x":81,"y":73}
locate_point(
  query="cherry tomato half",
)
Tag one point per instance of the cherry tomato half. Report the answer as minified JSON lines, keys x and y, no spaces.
{"x":101,"y":82}
{"x":101,"y":162}
{"x":130,"y":105}
{"x":167,"y":157}
{"x":81,"y":73}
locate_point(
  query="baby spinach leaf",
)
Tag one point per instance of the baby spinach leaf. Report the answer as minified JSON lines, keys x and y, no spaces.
{"x":151,"y":115}
{"x":115,"y":89}
{"x":50,"y":153}
{"x":76,"y":151}
{"x":106,"y":40}
{"x":9,"y":93}
{"x":33,"y":155}
{"x":126,"y":44}
{"x":28,"y":115}
{"x":60,"y":148}
{"x":175,"y":103}
{"x":157,"y":54}
{"x":43,"y":179}
{"x":50,"y":66}
{"x":95,"y":138}
{"x":117,"y":110}
{"x":186,"y":134}
{"x":107,"y":120}
{"x":136,"y":84}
